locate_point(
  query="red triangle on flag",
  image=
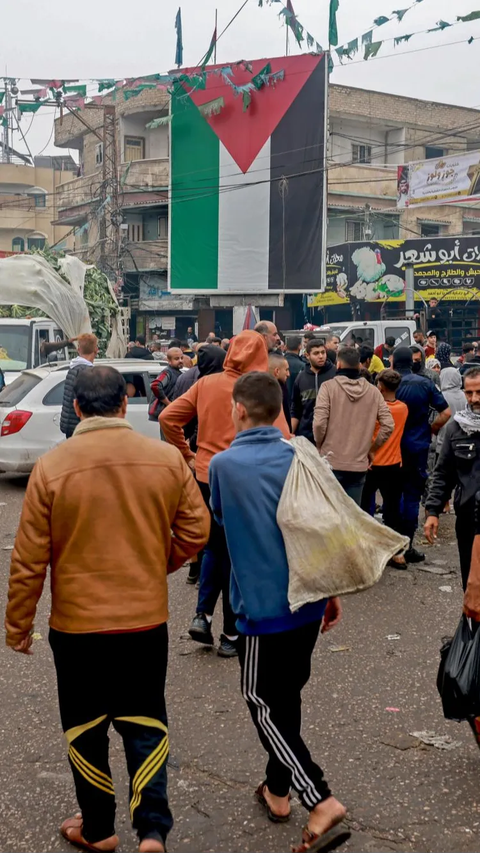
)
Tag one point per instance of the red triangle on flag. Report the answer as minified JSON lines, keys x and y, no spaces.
{"x":245,"y":132}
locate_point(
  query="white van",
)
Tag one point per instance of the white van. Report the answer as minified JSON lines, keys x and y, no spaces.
{"x":369,"y":332}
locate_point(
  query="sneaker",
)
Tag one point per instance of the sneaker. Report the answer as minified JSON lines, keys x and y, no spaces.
{"x":201,"y":630}
{"x":227,"y":648}
{"x":414,"y":556}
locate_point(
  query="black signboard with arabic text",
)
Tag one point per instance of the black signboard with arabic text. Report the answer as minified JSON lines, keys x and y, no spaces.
{"x":444,"y":267}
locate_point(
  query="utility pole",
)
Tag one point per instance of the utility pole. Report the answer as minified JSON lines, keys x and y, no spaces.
{"x":110,"y":215}
{"x":409,"y":291}
{"x":367,"y":223}
{"x":9,"y":105}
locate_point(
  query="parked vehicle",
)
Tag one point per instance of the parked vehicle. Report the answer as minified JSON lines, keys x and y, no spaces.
{"x":31,"y":405}
{"x":20,"y":344}
{"x":371,"y":332}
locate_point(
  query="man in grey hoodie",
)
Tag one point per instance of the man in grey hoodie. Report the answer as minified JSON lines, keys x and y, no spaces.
{"x":87,"y":350}
{"x":347,"y":411}
{"x":451,"y":387}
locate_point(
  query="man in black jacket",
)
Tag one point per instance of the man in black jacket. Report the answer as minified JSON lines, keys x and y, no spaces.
{"x":140,"y":350}
{"x":163,"y":386}
{"x":307,"y":386}
{"x":295,"y":364}
{"x":458,"y":467}
{"x":87,"y":350}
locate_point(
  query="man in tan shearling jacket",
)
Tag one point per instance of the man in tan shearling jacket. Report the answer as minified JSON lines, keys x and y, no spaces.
{"x":113,"y":513}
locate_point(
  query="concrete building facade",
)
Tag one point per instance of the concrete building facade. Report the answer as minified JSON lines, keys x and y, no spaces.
{"x":29,"y":202}
{"x":370,"y":135}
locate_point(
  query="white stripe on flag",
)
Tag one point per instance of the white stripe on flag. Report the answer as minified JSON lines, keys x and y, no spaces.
{"x":244,"y":224}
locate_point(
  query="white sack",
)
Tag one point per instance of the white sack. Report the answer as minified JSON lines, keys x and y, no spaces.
{"x":30,"y":280}
{"x":333,"y":547}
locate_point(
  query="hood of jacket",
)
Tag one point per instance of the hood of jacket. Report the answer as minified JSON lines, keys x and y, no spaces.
{"x":80,"y":360}
{"x":210,"y":359}
{"x":355,"y":389}
{"x":247,"y":352}
{"x":418,"y":348}
{"x":450,"y":379}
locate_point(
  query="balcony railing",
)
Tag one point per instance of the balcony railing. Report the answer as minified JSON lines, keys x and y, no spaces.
{"x":141,"y":182}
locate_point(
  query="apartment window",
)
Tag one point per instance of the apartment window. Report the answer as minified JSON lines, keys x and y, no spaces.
{"x":434,"y":153}
{"x":162,"y":227}
{"x":18,"y":244}
{"x":36,"y":242}
{"x":472,"y":228}
{"x":353,"y":230}
{"x":135,"y":232}
{"x":134,"y":148}
{"x":362,"y":153}
{"x":430,"y":230}
{"x":40,"y":200}
{"x":99,"y":154}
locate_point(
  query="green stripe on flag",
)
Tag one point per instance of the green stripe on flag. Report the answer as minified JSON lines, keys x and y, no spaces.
{"x":194,"y":184}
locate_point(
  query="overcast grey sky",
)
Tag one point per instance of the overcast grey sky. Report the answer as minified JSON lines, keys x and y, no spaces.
{"x":116,"y":38}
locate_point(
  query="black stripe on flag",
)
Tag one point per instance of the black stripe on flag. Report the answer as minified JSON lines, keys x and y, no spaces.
{"x":296,"y":204}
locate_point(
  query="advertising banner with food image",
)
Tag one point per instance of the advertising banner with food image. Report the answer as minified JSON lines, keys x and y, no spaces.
{"x":448,"y":179}
{"x":374,"y":271}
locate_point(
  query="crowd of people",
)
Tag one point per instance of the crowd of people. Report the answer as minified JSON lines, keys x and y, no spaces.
{"x":207,"y":495}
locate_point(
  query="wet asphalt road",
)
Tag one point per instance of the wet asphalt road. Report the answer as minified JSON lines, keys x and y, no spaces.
{"x":401,"y":795}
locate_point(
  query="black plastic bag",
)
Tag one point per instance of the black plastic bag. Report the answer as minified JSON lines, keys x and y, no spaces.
{"x":458,"y":679}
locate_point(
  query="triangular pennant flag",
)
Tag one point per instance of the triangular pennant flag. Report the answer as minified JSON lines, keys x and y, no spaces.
{"x":441,"y":25}
{"x":29,"y":108}
{"x":352,"y":47}
{"x":212,"y":108}
{"x":310,"y":40}
{"x":367,"y":37}
{"x":470,"y":40}
{"x":399,"y":39}
{"x":80,"y":90}
{"x":400,"y":13}
{"x":261,"y":78}
{"x":381,"y":20}
{"x":472,"y":16}
{"x":105,"y":84}
{"x":372,"y":49}
{"x":318,"y":47}
{"x":159,"y":122}
{"x":247,"y":100}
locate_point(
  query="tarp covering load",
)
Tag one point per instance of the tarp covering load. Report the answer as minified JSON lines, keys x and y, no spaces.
{"x":30,"y":280}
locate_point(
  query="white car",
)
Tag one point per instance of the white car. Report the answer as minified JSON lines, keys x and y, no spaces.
{"x":31,"y":405}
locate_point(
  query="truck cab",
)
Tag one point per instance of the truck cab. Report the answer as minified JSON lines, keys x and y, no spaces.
{"x":21,"y":342}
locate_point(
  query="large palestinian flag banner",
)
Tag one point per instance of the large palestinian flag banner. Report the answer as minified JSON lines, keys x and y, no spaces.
{"x":247,"y":185}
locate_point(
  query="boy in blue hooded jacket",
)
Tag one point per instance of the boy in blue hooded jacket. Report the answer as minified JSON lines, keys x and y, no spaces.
{"x":275,"y":646}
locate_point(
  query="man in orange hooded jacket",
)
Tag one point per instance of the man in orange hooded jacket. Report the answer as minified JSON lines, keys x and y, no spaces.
{"x":210,"y":400}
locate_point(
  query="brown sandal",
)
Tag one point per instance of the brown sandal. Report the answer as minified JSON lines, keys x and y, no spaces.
{"x":313,"y":843}
{"x":71,"y":829}
{"x":275,"y":818}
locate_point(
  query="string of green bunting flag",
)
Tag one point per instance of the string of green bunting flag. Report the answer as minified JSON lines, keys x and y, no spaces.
{"x":73,"y":94}
{"x":372,"y":48}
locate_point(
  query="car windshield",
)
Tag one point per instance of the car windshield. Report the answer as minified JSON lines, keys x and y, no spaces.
{"x":14,"y":345}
